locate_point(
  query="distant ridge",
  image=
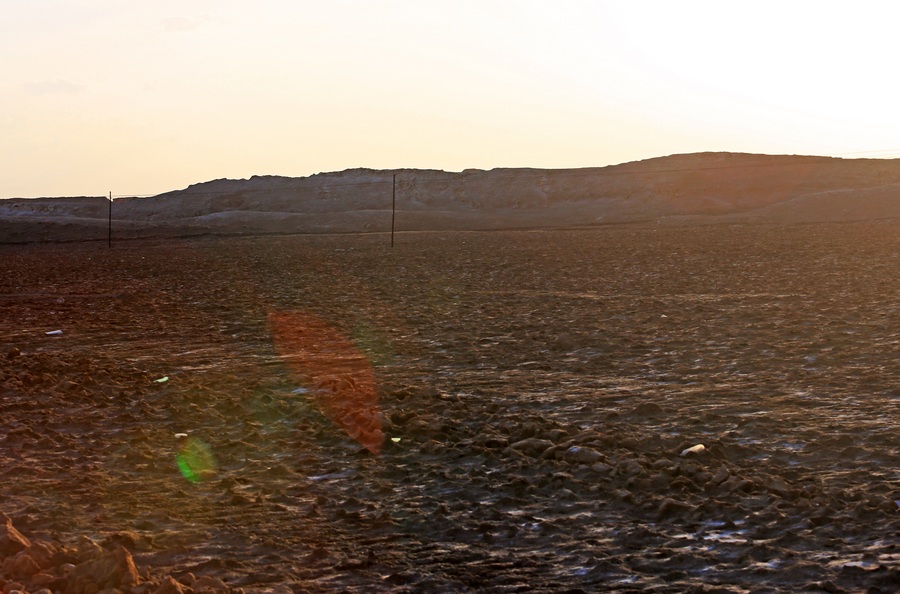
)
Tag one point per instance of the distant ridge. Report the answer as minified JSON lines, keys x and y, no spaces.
{"x":698,"y":188}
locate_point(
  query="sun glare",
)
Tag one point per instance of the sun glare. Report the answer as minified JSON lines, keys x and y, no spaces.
{"x":154,"y":97}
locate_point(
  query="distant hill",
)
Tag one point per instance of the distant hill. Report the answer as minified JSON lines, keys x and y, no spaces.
{"x":701,"y":188}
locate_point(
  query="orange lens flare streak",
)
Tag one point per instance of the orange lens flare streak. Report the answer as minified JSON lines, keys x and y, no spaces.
{"x":341,"y":379}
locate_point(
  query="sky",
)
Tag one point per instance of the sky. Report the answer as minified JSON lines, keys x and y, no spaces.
{"x":138,"y":98}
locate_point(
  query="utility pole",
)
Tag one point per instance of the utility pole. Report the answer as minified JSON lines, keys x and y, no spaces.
{"x":109,"y":226}
{"x":393,"y":206}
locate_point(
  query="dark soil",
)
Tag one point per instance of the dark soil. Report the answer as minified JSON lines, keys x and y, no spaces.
{"x":537,"y":392}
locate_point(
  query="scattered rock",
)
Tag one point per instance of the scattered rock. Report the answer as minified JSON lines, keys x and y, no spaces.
{"x":43,"y":553}
{"x":671,"y":507}
{"x":114,"y":569}
{"x":720,"y":477}
{"x":582,"y":455}
{"x":737,"y":484}
{"x":492,"y":441}
{"x":601,"y":467}
{"x":777,"y":486}
{"x":11,"y":540}
{"x":209,"y":584}
{"x":693,"y":450}
{"x":170,"y":586}
{"x":42,"y":579}
{"x":648,"y":409}
{"x":630,"y":467}
{"x":532,"y":446}
{"x":87,"y":548}
{"x":21,"y":566}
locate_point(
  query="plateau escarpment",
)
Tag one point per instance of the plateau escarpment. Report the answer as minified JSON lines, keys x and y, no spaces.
{"x":697,"y":188}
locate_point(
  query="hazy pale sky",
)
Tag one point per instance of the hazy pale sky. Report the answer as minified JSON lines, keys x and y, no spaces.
{"x":144,"y":97}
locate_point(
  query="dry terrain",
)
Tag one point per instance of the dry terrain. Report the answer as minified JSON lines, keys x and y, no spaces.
{"x":677,"y":190}
{"x":538,"y":396}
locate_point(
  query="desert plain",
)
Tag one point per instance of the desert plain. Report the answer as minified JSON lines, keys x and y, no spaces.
{"x":542,"y":396}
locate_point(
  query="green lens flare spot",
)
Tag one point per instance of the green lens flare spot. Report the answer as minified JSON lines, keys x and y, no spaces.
{"x":195,"y":461}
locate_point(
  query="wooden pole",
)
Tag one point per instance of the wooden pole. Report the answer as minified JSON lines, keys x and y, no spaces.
{"x":393,"y":206}
{"x":109,"y":225}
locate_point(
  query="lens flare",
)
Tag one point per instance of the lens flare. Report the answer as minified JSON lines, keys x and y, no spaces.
{"x":195,"y":461}
{"x":341,"y":378}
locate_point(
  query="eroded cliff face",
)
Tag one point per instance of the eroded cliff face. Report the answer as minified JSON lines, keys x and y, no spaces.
{"x":682,"y":189}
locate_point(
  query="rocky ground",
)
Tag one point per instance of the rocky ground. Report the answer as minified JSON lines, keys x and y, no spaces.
{"x":540,"y":396}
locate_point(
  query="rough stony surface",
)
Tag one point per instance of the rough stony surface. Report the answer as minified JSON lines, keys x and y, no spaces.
{"x":536,"y":393}
{"x":689,"y":189}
